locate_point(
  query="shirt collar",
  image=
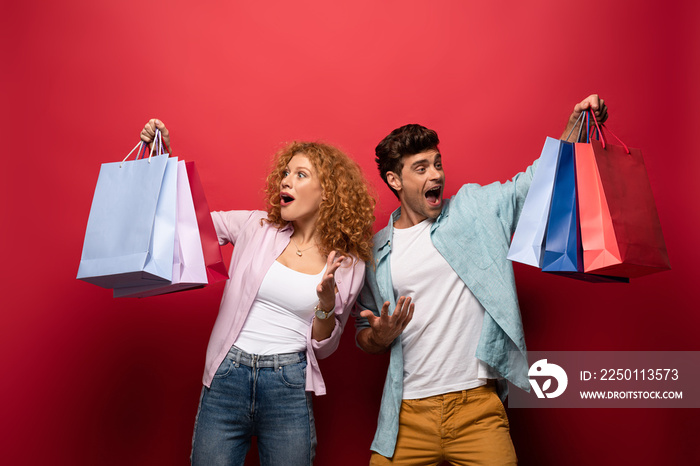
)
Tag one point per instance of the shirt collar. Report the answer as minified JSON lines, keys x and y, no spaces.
{"x":383,"y":238}
{"x":288,"y":227}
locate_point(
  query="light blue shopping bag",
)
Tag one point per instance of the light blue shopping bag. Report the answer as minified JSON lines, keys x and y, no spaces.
{"x":189,"y":269}
{"x":130,"y":233}
{"x":527,"y":246}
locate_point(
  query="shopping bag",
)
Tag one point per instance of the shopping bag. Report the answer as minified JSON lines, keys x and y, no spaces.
{"x":528,"y":240}
{"x":563,"y":248}
{"x":129,"y":237}
{"x":216,"y":268}
{"x":189,"y":270}
{"x":561,"y":242}
{"x":620,"y":228}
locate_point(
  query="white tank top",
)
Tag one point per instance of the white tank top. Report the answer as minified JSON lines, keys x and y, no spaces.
{"x":283,"y":309}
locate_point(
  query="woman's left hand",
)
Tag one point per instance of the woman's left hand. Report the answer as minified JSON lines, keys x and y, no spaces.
{"x":326,"y":289}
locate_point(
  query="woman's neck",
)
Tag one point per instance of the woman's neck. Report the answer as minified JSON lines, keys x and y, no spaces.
{"x":304,"y":232}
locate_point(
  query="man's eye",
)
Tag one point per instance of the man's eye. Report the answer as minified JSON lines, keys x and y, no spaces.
{"x":420,"y":169}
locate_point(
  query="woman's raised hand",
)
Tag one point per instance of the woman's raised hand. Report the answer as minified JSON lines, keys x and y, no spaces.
{"x":326,"y":289}
{"x":149,"y":132}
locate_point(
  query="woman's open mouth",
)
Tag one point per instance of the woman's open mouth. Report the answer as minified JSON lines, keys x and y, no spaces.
{"x":285,"y":199}
{"x":434,"y":196}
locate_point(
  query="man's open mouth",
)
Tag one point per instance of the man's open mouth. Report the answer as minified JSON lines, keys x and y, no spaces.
{"x":434,"y":196}
{"x":285,"y":199}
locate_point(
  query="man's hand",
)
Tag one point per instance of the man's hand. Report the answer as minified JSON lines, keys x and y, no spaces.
{"x":149,"y":132}
{"x":592,"y":102}
{"x":385,"y":328}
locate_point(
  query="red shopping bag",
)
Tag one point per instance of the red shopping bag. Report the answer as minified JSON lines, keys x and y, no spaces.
{"x":620,"y":227}
{"x":216,"y":268}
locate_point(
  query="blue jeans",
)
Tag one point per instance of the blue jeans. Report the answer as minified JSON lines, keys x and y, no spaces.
{"x":256,"y":395}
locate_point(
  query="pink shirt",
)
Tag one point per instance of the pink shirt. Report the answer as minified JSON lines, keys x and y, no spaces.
{"x":256,"y":247}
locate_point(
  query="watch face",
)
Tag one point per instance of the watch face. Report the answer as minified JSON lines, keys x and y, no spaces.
{"x":322,"y":314}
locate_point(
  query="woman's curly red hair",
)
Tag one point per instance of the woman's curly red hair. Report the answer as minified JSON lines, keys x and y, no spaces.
{"x":346,"y":215}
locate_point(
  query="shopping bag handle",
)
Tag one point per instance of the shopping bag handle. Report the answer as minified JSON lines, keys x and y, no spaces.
{"x":157,"y":144}
{"x":574,"y":127}
{"x":161,"y":145}
{"x":139,"y":154}
{"x":602,"y":136}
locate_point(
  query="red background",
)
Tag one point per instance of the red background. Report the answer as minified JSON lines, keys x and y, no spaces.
{"x":88,"y":379}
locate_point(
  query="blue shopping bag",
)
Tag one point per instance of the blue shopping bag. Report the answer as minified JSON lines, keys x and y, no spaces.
{"x":130,"y":234}
{"x":561,"y":251}
{"x":527,"y":245}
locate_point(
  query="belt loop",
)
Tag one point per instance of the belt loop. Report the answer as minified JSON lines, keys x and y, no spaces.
{"x":276,"y":362}
{"x":238,"y":359}
{"x":464,"y":396}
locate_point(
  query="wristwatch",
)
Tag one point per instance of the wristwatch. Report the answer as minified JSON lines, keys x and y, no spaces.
{"x":321,"y":314}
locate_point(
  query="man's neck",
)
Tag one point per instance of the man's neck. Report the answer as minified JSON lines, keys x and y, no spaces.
{"x":408,"y":219}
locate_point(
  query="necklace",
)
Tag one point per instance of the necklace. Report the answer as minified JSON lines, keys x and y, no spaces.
{"x":299,"y":251}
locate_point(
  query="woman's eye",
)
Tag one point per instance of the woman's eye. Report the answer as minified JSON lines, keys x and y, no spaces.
{"x":302,"y":175}
{"x":285,"y":173}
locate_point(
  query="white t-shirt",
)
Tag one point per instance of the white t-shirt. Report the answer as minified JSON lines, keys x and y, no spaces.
{"x":281,"y":314}
{"x":440,"y":342}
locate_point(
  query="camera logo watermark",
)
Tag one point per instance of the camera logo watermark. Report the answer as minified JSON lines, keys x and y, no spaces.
{"x":541,"y":369}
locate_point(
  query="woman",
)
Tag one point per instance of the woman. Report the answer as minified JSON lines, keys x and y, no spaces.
{"x":295,"y":273}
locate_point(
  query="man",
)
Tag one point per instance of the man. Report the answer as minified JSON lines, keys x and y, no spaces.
{"x":455,"y":334}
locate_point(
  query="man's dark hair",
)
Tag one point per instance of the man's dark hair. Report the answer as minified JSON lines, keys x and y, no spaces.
{"x":407,"y":140}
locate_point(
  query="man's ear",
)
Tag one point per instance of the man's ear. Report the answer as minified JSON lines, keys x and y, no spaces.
{"x":394,"y":181}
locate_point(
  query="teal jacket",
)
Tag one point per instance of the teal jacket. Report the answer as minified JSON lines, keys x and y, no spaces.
{"x":473,"y":234}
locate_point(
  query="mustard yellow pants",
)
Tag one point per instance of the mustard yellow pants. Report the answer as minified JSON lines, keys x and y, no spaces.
{"x":469,"y":427}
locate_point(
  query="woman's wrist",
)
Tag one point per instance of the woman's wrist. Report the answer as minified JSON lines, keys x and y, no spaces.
{"x":325,"y":306}
{"x":323,"y":312}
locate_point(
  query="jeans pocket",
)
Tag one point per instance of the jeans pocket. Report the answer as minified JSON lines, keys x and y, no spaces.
{"x":293,"y":375}
{"x":224,"y":369}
